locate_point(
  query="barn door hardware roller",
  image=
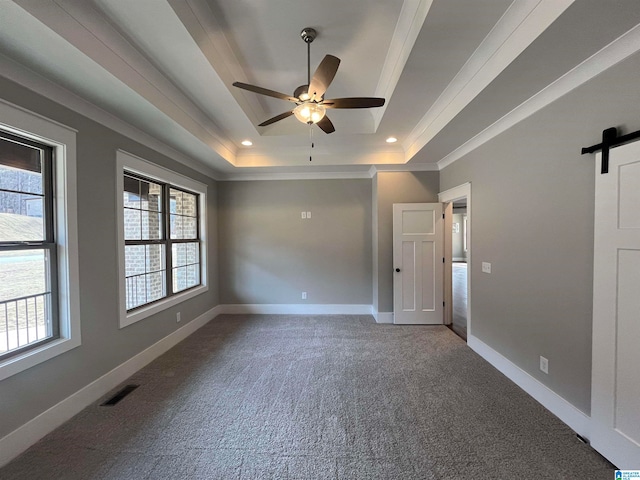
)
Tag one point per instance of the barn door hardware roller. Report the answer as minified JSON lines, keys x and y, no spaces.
{"x":610,"y":139}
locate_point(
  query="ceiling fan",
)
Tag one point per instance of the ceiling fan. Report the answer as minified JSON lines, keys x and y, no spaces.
{"x":309,"y":99}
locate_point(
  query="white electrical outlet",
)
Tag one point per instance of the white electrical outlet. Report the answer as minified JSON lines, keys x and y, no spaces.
{"x":308,"y":215}
{"x":544,"y":364}
{"x":304,"y":215}
{"x":178,"y":317}
{"x":304,"y":295}
{"x":486,"y":267}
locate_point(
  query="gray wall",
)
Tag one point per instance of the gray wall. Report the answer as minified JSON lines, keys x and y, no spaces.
{"x":532,"y":218}
{"x":269,"y":255}
{"x":390,"y":188}
{"x":104,"y":346}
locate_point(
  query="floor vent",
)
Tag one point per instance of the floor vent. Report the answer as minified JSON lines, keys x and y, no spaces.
{"x":119,"y":396}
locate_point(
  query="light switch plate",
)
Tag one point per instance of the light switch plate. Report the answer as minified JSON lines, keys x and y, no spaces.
{"x":486,"y":267}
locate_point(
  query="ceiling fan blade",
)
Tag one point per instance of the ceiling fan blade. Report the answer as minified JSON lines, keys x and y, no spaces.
{"x":354,"y":102}
{"x":323,"y":76}
{"x":326,"y":125}
{"x":264,"y":91}
{"x":277,"y":118}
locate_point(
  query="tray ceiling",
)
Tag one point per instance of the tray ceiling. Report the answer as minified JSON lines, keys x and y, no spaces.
{"x":166,"y":68}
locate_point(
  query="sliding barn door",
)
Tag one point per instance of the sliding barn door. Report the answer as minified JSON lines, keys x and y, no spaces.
{"x":615,"y":395}
{"x":418,"y":268}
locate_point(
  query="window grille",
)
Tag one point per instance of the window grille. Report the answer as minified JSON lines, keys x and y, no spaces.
{"x":162,"y":240}
{"x":29,"y":313}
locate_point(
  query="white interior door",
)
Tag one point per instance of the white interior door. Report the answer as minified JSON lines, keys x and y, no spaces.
{"x":418,"y":267}
{"x":615,"y":394}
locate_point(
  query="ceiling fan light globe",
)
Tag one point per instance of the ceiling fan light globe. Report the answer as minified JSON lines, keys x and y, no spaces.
{"x":316,"y":116}
{"x":309,"y":112}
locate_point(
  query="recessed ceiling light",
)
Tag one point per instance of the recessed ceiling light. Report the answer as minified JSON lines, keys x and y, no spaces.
{"x":392,"y":140}
{"x":247,"y":143}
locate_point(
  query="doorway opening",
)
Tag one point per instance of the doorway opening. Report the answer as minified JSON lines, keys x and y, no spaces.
{"x":459,"y":271}
{"x":457,"y":260}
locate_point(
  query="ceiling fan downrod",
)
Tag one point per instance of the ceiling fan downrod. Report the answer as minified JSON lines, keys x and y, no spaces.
{"x":308,"y":34}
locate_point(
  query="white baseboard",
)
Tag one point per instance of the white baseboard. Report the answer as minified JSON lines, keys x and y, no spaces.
{"x":565,"y":411}
{"x":383,"y":317}
{"x":23,"y":437}
{"x":296,"y":309}
{"x":459,"y":259}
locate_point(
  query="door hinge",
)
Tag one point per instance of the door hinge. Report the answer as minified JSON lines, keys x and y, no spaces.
{"x":442,"y":259}
{"x":443,"y":304}
{"x":443,"y":215}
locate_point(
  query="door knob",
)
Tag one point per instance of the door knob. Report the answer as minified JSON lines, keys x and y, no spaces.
{"x":397,"y":270}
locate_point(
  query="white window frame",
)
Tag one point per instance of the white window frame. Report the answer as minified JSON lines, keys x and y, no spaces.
{"x":27,"y":124}
{"x":131,"y":163}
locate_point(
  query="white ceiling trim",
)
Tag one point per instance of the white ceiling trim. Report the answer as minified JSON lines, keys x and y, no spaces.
{"x":339,"y":157}
{"x":621,"y":48}
{"x":321,"y":147}
{"x":21,"y":75}
{"x":412,"y":17}
{"x":88,"y":30}
{"x":521,"y":24}
{"x":253,"y":177}
{"x":405,"y":167}
{"x":206,"y":31}
{"x":239,"y":176}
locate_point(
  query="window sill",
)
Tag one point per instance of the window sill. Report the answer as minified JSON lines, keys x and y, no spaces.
{"x":144,"y":312}
{"x":33,"y":357}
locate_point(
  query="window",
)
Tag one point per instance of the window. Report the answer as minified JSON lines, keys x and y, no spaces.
{"x":162,"y":229}
{"x":145,"y":250}
{"x":185,"y":245}
{"x":39,"y":308}
{"x":28,"y":264}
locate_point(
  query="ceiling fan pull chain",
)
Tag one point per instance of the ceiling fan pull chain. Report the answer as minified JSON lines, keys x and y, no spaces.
{"x":311,"y":141}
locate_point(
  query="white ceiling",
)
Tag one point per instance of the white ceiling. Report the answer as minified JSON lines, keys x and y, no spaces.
{"x":166,"y":68}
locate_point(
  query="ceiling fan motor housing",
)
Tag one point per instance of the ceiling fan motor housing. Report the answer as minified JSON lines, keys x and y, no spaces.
{"x":301,"y":90}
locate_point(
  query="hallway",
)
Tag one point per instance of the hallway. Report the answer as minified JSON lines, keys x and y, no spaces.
{"x":459,"y":284}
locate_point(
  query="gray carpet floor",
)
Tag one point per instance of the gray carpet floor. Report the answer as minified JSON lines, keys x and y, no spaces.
{"x":315,"y":397}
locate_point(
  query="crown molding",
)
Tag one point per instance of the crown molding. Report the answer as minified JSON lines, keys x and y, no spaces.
{"x":21,"y":75}
{"x":18,"y":73}
{"x":208,"y":33}
{"x":406,"y":167}
{"x":412,"y":17}
{"x":90,"y":31}
{"x":521,"y":24}
{"x":371,"y":172}
{"x":328,"y":175}
{"x":618,"y":50}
